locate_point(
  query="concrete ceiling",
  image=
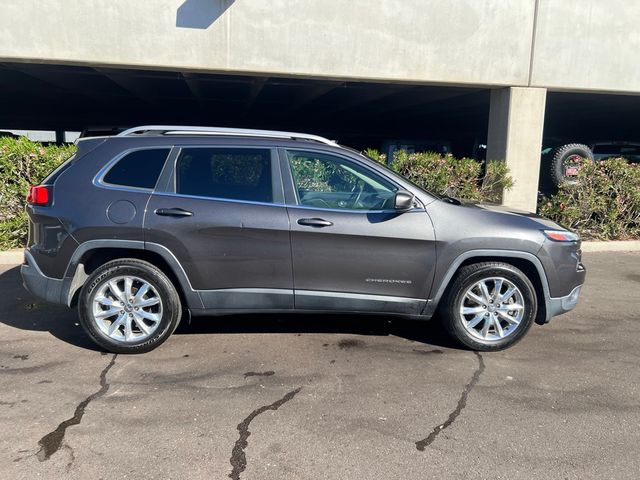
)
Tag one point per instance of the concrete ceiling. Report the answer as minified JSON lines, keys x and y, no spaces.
{"x":63,"y":97}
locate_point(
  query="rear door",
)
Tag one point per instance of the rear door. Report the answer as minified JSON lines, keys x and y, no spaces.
{"x":222,"y":215}
{"x":351,"y":249}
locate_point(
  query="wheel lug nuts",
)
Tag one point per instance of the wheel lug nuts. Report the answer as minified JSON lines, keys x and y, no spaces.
{"x":121,"y":311}
{"x":136,"y":308}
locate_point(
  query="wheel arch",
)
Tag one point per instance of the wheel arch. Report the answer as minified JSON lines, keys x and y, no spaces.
{"x":94,"y":253}
{"x":525,"y":261}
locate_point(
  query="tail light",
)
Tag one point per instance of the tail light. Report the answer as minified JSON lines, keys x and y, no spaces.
{"x":38,"y":195}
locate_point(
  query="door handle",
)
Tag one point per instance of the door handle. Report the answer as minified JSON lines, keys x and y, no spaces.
{"x":173,"y":212}
{"x":314,"y":222}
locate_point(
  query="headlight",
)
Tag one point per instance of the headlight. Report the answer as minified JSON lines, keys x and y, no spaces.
{"x":561,"y":235}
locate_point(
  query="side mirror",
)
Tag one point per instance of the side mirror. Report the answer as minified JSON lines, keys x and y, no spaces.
{"x":403,"y":201}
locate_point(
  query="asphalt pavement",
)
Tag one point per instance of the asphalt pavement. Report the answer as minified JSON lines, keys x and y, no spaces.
{"x":326,"y":397}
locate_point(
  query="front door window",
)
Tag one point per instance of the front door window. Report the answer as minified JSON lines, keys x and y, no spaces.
{"x":328,"y":181}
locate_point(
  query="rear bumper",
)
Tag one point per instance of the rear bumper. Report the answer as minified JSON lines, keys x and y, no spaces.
{"x":558,"y":306}
{"x":37,"y":283}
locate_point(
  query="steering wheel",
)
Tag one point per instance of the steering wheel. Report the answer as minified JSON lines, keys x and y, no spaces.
{"x":355,"y":196}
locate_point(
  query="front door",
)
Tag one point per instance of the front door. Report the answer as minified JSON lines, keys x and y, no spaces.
{"x":223,"y":218}
{"x":351,"y":250}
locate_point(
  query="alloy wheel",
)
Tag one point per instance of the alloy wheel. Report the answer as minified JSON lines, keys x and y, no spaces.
{"x":492,"y":309}
{"x":127,"y":309}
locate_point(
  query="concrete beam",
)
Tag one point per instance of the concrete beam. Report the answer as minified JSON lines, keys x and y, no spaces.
{"x":516,"y":122}
{"x":446,"y":41}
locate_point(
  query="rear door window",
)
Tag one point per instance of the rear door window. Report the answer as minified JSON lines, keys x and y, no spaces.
{"x":138,"y":169}
{"x":228,"y":173}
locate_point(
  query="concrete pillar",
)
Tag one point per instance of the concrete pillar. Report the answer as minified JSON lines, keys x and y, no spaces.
{"x":59,"y":137}
{"x":516,"y":121}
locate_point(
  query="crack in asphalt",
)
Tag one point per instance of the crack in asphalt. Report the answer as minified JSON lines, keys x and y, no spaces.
{"x":428,"y":352}
{"x":462,"y":402}
{"x":72,"y":457}
{"x":11,"y":404}
{"x":238,"y":458}
{"x":259,"y":374}
{"x":52,"y":441}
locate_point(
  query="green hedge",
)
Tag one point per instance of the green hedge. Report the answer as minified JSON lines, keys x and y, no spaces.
{"x":22,"y":163}
{"x":463,"y":178}
{"x":604,"y":204}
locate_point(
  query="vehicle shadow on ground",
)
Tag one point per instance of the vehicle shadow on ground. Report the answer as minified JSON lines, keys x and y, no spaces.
{"x":20,"y":310}
{"x":429,"y":333}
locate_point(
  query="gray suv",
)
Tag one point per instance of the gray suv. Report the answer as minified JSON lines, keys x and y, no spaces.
{"x":141,"y":228}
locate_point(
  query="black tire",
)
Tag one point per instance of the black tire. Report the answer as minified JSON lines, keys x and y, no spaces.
{"x":563,"y":158}
{"x":170,"y":315}
{"x":467,"y":277}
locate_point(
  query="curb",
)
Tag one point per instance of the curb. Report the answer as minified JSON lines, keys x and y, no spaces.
{"x":612,"y":246}
{"x":11,"y":257}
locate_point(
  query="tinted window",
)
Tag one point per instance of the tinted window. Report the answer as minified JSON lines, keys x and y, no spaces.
{"x":232,"y":173}
{"x":327,"y":181}
{"x":138,"y":169}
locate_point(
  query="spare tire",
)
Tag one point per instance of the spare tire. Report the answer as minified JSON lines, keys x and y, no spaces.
{"x":566,"y":161}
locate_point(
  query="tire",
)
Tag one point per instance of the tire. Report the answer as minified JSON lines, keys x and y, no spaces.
{"x":563,"y":158}
{"x":461,"y":326}
{"x":146,"y":320}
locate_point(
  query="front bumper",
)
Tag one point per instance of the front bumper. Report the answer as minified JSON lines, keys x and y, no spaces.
{"x":558,"y":306}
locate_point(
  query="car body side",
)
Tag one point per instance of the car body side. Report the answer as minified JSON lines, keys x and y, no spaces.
{"x":67,"y":242}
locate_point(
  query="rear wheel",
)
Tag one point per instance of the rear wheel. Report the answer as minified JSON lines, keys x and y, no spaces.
{"x":489,"y":306}
{"x":129,"y":306}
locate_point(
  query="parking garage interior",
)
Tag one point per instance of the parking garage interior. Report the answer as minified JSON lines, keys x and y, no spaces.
{"x":359,"y":114}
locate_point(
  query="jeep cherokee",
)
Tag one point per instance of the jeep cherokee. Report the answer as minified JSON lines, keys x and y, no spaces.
{"x":139,"y":227}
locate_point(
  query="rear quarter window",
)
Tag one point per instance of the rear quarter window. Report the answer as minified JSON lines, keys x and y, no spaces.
{"x":138,"y":169}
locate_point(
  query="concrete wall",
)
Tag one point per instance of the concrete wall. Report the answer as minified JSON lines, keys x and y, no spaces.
{"x":578,"y":44}
{"x":587,"y":44}
{"x":485,"y":42}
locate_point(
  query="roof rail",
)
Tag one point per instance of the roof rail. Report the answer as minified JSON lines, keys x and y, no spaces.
{"x":238,"y":132}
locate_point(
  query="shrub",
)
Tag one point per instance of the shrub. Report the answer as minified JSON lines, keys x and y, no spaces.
{"x":603,"y":204}
{"x":22,"y":163}
{"x":462,"y":178}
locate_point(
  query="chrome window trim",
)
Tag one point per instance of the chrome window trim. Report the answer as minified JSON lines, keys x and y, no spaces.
{"x":348,"y":210}
{"x":98,"y":179}
{"x":217,"y":199}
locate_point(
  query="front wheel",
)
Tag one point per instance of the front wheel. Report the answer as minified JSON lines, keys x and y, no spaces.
{"x":489,"y":306}
{"x":129,"y":306}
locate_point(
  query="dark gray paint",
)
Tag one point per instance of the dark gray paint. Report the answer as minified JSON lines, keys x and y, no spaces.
{"x":234,"y":256}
